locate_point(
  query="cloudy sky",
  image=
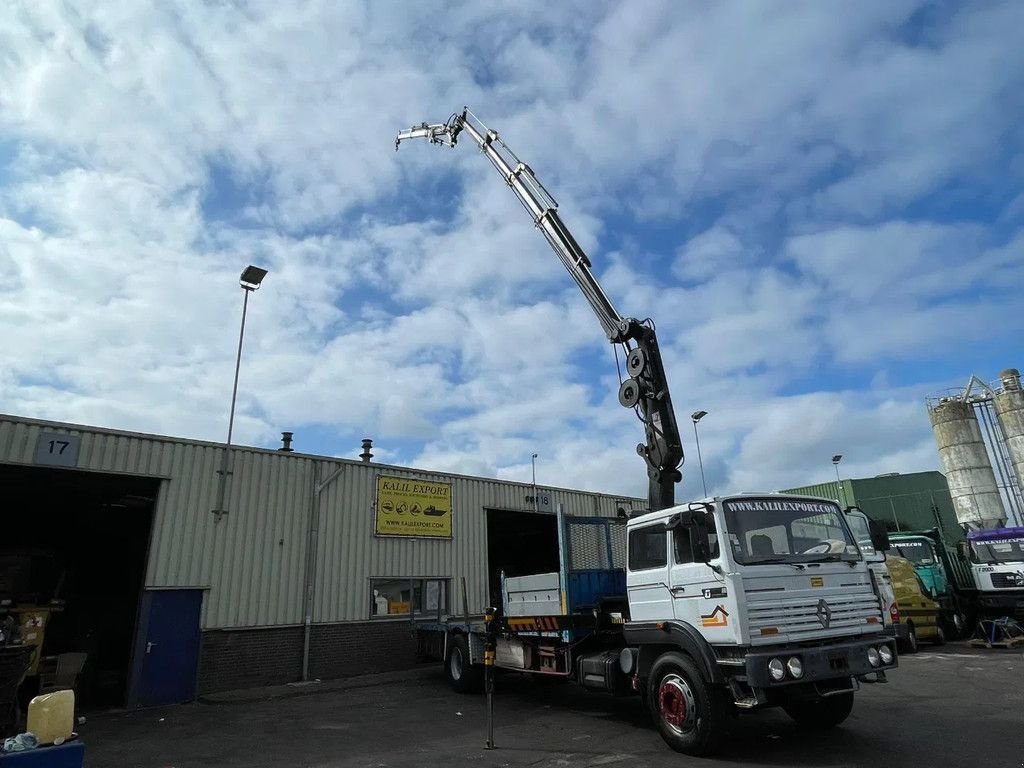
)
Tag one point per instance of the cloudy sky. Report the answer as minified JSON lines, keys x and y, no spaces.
{"x":820,"y":204}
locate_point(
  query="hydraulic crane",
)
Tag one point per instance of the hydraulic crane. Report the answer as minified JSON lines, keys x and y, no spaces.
{"x":646,"y":388}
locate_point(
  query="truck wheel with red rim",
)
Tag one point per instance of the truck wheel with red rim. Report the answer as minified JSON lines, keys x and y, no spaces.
{"x":691,"y":714}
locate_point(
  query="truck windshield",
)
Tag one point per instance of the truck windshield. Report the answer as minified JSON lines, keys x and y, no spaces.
{"x":917,"y":551}
{"x":780,"y":530}
{"x":998,"y":551}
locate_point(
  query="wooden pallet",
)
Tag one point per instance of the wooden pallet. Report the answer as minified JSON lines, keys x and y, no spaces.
{"x":1013,"y":642}
{"x":998,"y":633}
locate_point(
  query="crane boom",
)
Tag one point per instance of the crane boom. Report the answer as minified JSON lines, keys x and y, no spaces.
{"x":646,"y":390}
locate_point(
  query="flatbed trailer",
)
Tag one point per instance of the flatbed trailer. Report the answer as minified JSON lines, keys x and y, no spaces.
{"x":546,"y":622}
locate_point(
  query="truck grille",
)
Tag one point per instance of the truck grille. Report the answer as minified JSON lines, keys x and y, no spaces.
{"x":1008,"y":580}
{"x":801,"y":617}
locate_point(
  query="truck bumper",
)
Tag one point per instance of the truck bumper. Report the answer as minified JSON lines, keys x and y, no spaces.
{"x":997,"y":604}
{"x":827,"y":662}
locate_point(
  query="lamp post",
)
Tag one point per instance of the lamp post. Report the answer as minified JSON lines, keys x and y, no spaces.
{"x":533,"y":465}
{"x":697,"y":416}
{"x":839,"y":483}
{"x":250,"y":281}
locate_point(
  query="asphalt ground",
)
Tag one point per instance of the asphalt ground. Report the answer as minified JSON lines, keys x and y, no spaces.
{"x":954,"y":706}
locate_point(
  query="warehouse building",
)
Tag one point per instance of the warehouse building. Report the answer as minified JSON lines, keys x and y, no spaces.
{"x":916,"y":501}
{"x":115,"y":547}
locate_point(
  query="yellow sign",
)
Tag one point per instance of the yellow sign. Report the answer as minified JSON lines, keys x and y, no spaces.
{"x":817,"y":581}
{"x":410,"y":507}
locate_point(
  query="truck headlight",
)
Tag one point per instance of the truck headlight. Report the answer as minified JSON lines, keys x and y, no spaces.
{"x":776,"y":669}
{"x":873,"y":658}
{"x":795,"y":667}
{"x":885,"y":653}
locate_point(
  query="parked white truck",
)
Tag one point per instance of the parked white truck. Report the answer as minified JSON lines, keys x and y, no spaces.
{"x":706,"y":609}
{"x":703,"y":609}
{"x":997,"y":565}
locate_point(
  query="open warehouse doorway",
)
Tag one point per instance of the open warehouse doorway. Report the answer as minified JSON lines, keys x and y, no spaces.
{"x":72,"y":566}
{"x":519,"y":544}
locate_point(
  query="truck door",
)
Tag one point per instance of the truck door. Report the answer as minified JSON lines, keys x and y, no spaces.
{"x":699,"y":595}
{"x":647,"y":577}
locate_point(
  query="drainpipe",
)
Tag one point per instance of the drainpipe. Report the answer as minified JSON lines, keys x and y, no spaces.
{"x":309,"y":589}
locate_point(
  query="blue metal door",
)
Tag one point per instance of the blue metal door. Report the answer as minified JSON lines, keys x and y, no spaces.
{"x":169,"y":646}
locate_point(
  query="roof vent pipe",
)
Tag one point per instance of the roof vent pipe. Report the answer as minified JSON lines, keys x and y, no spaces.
{"x":366,"y":455}
{"x":286,"y":442}
{"x":1010,"y":379}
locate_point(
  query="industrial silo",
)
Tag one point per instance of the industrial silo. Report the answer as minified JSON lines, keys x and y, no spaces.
{"x":1009,"y":405}
{"x":972,"y":483}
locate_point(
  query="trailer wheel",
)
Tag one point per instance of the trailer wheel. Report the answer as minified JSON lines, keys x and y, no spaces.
{"x":689,"y":712}
{"x":909,"y":645}
{"x":461,"y":674}
{"x":823,"y":713}
{"x":956,"y":625}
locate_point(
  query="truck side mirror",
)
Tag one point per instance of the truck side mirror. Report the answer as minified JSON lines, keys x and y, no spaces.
{"x":963,"y":549}
{"x":879,"y":536}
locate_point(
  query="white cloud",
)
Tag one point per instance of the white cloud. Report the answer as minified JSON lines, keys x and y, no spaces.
{"x":742,"y":175}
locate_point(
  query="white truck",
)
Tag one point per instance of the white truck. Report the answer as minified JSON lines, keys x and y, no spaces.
{"x":997,"y":565}
{"x":703,"y":609}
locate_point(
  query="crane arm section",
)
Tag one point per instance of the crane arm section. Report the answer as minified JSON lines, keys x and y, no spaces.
{"x":646,"y":390}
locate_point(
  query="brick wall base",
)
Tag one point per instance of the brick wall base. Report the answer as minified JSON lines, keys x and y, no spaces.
{"x":231,"y":659}
{"x":341,"y":650}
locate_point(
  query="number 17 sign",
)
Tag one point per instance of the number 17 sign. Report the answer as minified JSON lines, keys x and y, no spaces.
{"x":58,"y":449}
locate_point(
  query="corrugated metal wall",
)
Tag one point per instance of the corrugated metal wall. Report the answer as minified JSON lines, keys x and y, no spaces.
{"x":253,"y":560}
{"x":349,"y":554}
{"x":903,"y":502}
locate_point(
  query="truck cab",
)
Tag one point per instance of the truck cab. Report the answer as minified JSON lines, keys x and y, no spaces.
{"x":944,"y":574}
{"x":997,"y":564}
{"x":923,"y":553}
{"x":769,"y":595}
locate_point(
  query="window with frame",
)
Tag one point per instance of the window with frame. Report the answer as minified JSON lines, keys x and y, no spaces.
{"x":400,"y":597}
{"x":648,"y":548}
{"x":684,"y":547}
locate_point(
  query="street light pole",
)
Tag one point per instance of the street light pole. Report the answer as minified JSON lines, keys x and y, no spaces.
{"x":250,"y":281}
{"x":697,"y":416}
{"x":533,"y":464}
{"x":839,"y":483}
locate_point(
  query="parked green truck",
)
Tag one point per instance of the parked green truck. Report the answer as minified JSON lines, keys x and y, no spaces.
{"x":944,"y":572}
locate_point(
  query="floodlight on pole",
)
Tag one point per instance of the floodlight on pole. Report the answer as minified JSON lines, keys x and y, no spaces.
{"x":249,"y":281}
{"x":697,"y":416}
{"x":839,"y":483}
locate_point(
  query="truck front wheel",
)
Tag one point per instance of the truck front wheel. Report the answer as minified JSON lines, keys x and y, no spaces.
{"x":461,"y":674}
{"x":690,"y":713}
{"x":820,"y":714}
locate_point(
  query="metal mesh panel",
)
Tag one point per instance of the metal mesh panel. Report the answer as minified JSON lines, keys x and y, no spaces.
{"x":618,"y":533}
{"x":591,"y":542}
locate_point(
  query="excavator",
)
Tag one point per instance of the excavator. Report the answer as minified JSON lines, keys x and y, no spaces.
{"x":645,"y":389}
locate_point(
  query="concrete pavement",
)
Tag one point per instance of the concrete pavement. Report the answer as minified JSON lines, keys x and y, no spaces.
{"x":954,"y":707}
